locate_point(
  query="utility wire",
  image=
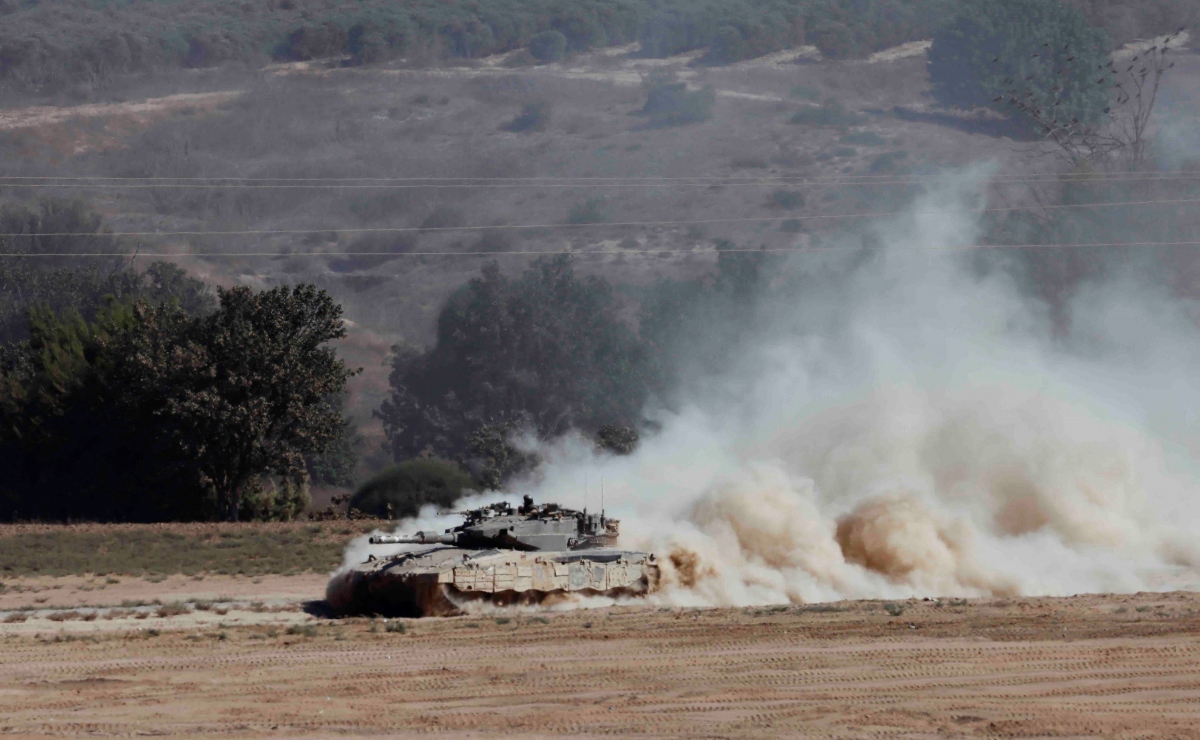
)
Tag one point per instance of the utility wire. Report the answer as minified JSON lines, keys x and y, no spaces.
{"x":506,"y":184}
{"x":752,"y":219}
{"x":1051,"y":177}
{"x":585,"y":252}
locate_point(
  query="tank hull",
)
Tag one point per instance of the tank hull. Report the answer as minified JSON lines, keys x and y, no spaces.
{"x":442,"y":581}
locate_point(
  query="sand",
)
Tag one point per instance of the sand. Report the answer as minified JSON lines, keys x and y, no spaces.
{"x":1089,"y":665}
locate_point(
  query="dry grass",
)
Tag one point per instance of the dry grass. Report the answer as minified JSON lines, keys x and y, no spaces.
{"x":159,"y":550}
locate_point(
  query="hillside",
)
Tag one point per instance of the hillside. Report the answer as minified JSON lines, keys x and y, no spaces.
{"x":390,"y":186}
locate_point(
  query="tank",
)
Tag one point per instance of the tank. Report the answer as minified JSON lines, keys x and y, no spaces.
{"x":501,"y":555}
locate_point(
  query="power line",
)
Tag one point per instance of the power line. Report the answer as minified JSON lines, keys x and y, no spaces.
{"x":603,"y":224}
{"x":506,"y":184}
{"x":587,"y":252}
{"x":1052,"y":177}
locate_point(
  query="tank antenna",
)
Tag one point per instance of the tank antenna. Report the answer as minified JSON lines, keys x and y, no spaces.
{"x":585,"y":493}
{"x":601,"y":496}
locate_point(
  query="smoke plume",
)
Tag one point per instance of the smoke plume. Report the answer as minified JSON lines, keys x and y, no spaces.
{"x":918,"y":429}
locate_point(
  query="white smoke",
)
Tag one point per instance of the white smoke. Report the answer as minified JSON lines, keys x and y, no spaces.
{"x":920,"y":431}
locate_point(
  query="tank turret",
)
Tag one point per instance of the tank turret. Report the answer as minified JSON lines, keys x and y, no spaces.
{"x":529,"y":527}
{"x":499,"y":553}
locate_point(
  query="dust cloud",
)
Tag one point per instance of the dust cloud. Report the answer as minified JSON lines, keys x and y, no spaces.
{"x":918,"y":429}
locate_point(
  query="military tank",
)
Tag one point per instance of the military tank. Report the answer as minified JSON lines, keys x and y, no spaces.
{"x":500,"y":555}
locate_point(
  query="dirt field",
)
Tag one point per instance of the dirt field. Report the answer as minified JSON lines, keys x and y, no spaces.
{"x":1091,"y":665}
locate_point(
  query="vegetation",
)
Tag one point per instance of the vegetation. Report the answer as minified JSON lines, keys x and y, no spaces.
{"x":831,"y":113}
{"x":1040,"y":51}
{"x":134,"y":397}
{"x":83,"y":45}
{"x":156,"y":550}
{"x":401,"y":491}
{"x":670,"y":103}
{"x":534,"y":116}
{"x":548,"y":46}
{"x":545,"y":352}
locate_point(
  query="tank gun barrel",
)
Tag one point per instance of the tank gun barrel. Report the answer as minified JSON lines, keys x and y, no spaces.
{"x":420,"y":538}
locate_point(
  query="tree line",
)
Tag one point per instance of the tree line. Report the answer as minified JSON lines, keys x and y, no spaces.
{"x":55,"y":45}
{"x":139,"y":395}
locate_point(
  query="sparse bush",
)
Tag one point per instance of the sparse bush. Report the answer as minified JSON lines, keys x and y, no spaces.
{"x":534,"y":116}
{"x":396,"y":627}
{"x":886,"y":163}
{"x":864,"y":138}
{"x":845,"y":151}
{"x":171,"y":610}
{"x":401,"y":491}
{"x":831,"y":113}
{"x":804,"y":92}
{"x":590,"y":211}
{"x":894,"y":609}
{"x":749,"y":163}
{"x":670,"y":103}
{"x":548,"y":46}
{"x":303,"y":630}
{"x":788,"y":199}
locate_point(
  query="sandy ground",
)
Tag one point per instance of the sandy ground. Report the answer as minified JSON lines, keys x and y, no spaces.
{"x":1083,"y":666}
{"x":45,"y":115}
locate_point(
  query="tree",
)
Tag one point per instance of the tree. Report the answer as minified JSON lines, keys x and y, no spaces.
{"x":546,"y":352}
{"x":548,"y":46}
{"x":252,"y":388}
{"x":336,"y":465}
{"x":149,"y":413}
{"x":1136,"y":78}
{"x":401,"y":491}
{"x":1043,"y":50}
{"x":698,"y":325}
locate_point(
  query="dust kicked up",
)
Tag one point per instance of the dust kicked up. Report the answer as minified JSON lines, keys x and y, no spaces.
{"x":918,"y":428}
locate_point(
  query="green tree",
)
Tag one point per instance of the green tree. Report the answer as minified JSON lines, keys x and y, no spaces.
{"x":546,"y":352}
{"x":548,"y":46}
{"x":251,"y":393}
{"x":1042,"y":51}
{"x":149,"y":413}
{"x":337,"y":464}
{"x":401,"y":491}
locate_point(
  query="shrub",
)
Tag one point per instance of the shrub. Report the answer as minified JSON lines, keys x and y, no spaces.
{"x":548,"y":46}
{"x":791,"y":226}
{"x":670,"y":103}
{"x":886,"y":163}
{"x":396,"y":627}
{"x":830,"y":114}
{"x":590,"y":211}
{"x":803,"y":92}
{"x":535,"y":116}
{"x":789,"y":199}
{"x":864,"y":138}
{"x":1040,"y":50}
{"x":845,"y":151}
{"x":401,"y":491}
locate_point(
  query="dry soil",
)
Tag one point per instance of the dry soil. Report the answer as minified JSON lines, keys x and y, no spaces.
{"x":1082,"y":666}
